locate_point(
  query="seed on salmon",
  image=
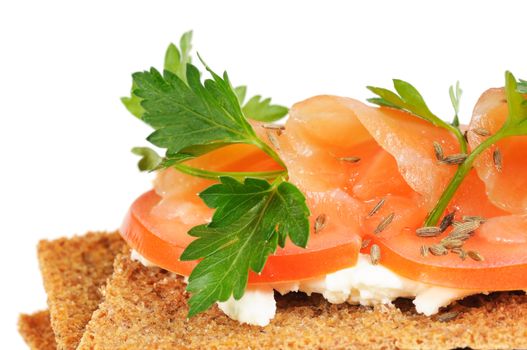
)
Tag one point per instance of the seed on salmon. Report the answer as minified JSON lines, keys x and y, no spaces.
{"x":498,"y":162}
{"x":480,"y":219}
{"x":450,"y":243}
{"x":474,"y":255}
{"x":350,"y":159}
{"x":461,"y":252}
{"x":480,"y":131}
{"x":275,"y":127}
{"x":448,"y":316}
{"x":320,"y":222}
{"x":438,"y":150}
{"x":447,"y":221}
{"x":377,"y":207}
{"x":466,"y":227}
{"x":365,"y":243}
{"x":454,"y":159}
{"x":384,"y":223}
{"x":429,"y":231}
{"x":438,"y":250}
{"x":375,"y":254}
{"x":459,"y":235}
{"x":274,"y":141}
{"x":424,"y":251}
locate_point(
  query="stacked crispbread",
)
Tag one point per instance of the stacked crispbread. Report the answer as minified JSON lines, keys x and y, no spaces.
{"x":99,"y":298}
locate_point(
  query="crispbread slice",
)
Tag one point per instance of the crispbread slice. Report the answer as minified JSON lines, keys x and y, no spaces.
{"x":145,"y":308}
{"x":74,"y":270}
{"x":36,"y":331}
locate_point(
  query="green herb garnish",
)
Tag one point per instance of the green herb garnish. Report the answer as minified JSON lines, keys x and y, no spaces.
{"x":149,"y":161}
{"x":191,"y":117}
{"x":515,"y":125}
{"x":175,"y":61}
{"x":262,"y":109}
{"x":250,"y":220}
{"x":522,"y":86}
{"x":410,"y":100}
{"x":455,"y":97}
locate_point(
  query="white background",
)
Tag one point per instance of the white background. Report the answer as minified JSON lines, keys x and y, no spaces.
{"x":65,"y":138}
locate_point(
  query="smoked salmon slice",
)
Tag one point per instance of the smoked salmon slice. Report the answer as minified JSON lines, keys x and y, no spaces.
{"x":410,"y":141}
{"x":503,"y":168}
{"x":398,"y":165}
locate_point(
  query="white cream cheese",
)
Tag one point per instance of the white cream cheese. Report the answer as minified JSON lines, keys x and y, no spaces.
{"x":135,"y":256}
{"x":364,"y":284}
{"x":368,"y":284}
{"x":256,"y":307}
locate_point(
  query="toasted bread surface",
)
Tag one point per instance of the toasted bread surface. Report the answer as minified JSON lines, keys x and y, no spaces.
{"x":36,"y":331}
{"x":145,"y":308}
{"x":74,"y":270}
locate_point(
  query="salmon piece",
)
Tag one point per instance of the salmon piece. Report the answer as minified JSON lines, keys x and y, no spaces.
{"x":471,"y":199}
{"x":398,"y":164}
{"x":410,"y":141}
{"x":380,"y":176}
{"x":509,"y":229}
{"x":314,"y":146}
{"x":506,"y":187}
{"x":320,"y":132}
{"x":238,"y":157}
{"x":341,"y":215}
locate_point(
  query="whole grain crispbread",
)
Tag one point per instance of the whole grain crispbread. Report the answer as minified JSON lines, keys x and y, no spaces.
{"x":74,"y":270}
{"x":145,"y":308}
{"x":36,"y":331}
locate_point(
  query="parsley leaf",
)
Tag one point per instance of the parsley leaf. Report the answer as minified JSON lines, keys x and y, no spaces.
{"x":133,"y":103}
{"x":522,"y":86}
{"x":175,"y":62}
{"x":191,"y":117}
{"x":410,"y":100}
{"x":262,"y":109}
{"x":149,"y":161}
{"x":516,"y":123}
{"x":241,"y":92}
{"x":251,"y":219}
{"x":177,"y":96}
{"x":258,"y":109}
{"x":455,"y":97}
{"x":188,"y":116}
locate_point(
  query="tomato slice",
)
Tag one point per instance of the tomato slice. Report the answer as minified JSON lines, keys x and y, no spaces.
{"x":155,"y":238}
{"x":505,"y":261}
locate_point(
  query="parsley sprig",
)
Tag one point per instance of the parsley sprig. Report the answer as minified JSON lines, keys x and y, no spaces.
{"x":191,"y":117}
{"x":252,"y":217}
{"x":408,"y":99}
{"x":515,"y":125}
